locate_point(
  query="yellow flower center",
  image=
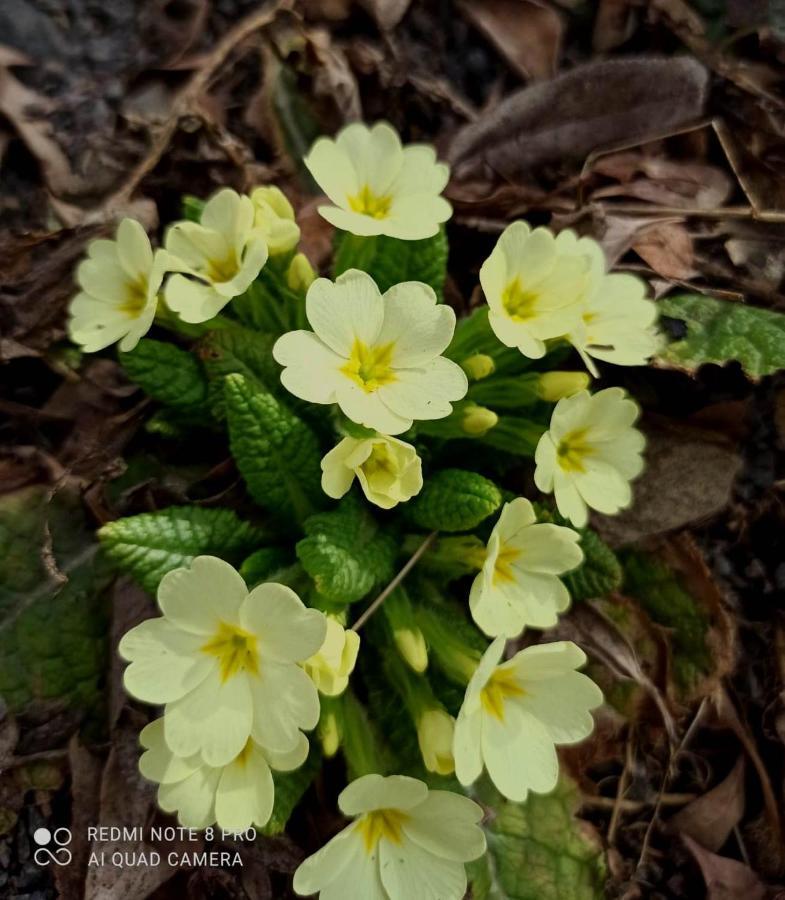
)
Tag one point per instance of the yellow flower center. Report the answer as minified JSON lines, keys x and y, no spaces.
{"x":369,"y":367}
{"x":380,"y":462}
{"x":500,"y":687}
{"x":223,"y":269}
{"x":573,"y":450}
{"x":135,"y":298}
{"x":235,"y":649}
{"x":377,"y":206}
{"x":519,"y":303}
{"x":381,"y":823}
{"x":502,"y":570}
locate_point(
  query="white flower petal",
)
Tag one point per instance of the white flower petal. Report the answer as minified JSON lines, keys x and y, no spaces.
{"x":198,"y":598}
{"x":166,"y":663}
{"x":562,"y":704}
{"x":426,"y":392}
{"x":312,"y":369}
{"x":284,"y":700}
{"x":350,"y":310}
{"x":408,"y":870}
{"x":158,"y":763}
{"x":193,"y":799}
{"x":372,"y":792}
{"x":286,"y":630}
{"x":214,"y":719}
{"x":245,"y":793}
{"x":418,"y":328}
{"x":445,"y":824}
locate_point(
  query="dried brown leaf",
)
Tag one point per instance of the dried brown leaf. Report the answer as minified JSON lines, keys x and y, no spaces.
{"x":710,"y":819}
{"x":586,"y":109}
{"x":726,"y":879}
{"x":667,"y":247}
{"x":613,"y":25}
{"x":527,"y":33}
{"x":689,"y":476}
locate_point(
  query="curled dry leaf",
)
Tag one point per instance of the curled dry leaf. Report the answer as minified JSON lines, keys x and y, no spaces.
{"x":667,"y":247}
{"x":726,"y":879}
{"x":589,"y":108}
{"x":527,"y":33}
{"x":710,"y":819}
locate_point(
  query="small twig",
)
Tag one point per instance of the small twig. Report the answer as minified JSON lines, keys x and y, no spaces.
{"x":635,"y":806}
{"x":409,"y":565}
{"x":669,"y":772}
{"x":619,"y":802}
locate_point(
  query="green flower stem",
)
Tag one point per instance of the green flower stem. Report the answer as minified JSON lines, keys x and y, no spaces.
{"x":166,"y":318}
{"x":364,"y":752}
{"x":454,"y":654}
{"x":414,"y":690}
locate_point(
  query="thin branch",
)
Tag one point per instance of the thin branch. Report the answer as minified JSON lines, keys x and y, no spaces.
{"x":409,"y":565}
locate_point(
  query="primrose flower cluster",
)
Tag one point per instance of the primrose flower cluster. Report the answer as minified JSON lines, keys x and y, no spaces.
{"x":245,"y":666}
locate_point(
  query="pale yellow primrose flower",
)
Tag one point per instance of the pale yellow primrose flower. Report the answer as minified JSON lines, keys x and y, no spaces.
{"x":514,"y":713}
{"x":389,"y":470}
{"x":617,"y":322}
{"x":518,"y":585}
{"x":220,"y":257}
{"x":590,"y":453}
{"x":235,"y":796}
{"x":120,"y":281}
{"x":377,"y":185}
{"x":435,"y":732}
{"x":331,"y":666}
{"x":535,"y":286}
{"x":274,"y":217}
{"x":407,"y":842}
{"x":377,"y":357}
{"x":224,"y":661}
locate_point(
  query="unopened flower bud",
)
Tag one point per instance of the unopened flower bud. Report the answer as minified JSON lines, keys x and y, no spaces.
{"x":435,"y":729}
{"x":478,"y":366}
{"x":411,"y":645}
{"x":300,"y":274}
{"x":553,"y":386}
{"x":478,"y":420}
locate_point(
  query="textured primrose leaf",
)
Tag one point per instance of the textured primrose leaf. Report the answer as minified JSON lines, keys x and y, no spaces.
{"x":720,"y":330}
{"x":537,"y":850}
{"x":149,"y":545}
{"x":346,"y":552}
{"x":454,"y":500}
{"x":238,"y":351}
{"x":276,"y":452}
{"x":52,"y":632}
{"x":168,"y":374}
{"x":389,"y":260}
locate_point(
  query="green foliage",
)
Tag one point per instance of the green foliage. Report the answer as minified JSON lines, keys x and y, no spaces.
{"x":53,"y":608}
{"x":346,"y":552}
{"x":454,"y":500}
{"x":269,"y":304}
{"x":276,"y":452}
{"x":506,"y":392}
{"x":448,"y":557}
{"x":600,"y":572}
{"x":389,"y":260}
{"x":149,"y":545}
{"x":238,"y":351}
{"x":720,"y":330}
{"x":262,"y":563}
{"x":289,"y":789}
{"x":168,"y":374}
{"x":514,"y":434}
{"x":660,"y":593}
{"x":537,"y":850}
{"x":363,"y":748}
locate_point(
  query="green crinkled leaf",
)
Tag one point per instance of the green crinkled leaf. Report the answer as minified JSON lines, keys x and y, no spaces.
{"x":389,"y":260}
{"x":238,"y":351}
{"x":52,"y":633}
{"x":289,"y":789}
{"x":662,"y":596}
{"x":167,"y":373}
{"x":276,"y":452}
{"x":454,"y":500}
{"x":537,"y":850}
{"x":346,"y":552}
{"x":149,"y":545}
{"x":720,"y":330}
{"x":599,"y":574}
